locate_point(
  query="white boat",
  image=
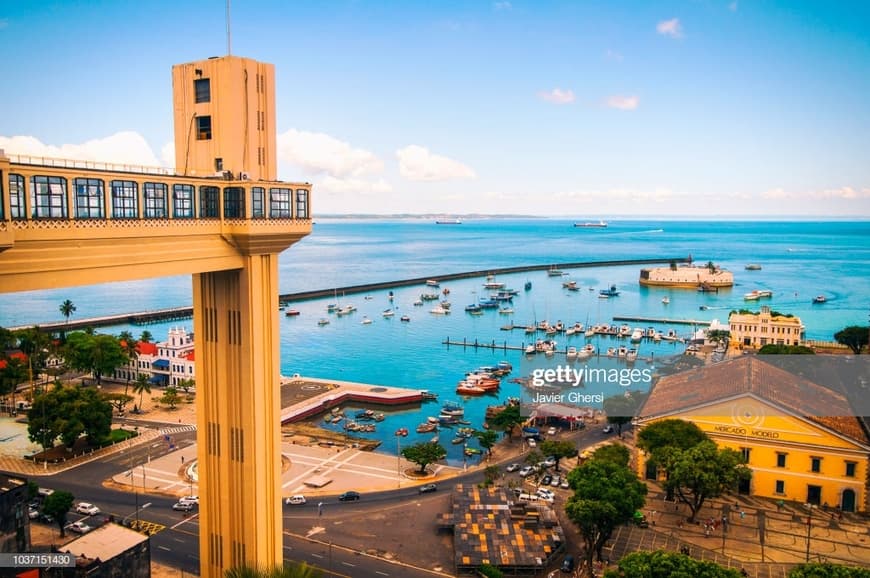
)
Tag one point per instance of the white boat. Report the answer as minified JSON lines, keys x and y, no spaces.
{"x":506,"y":311}
{"x":432,"y":283}
{"x":611,"y":352}
{"x":592,"y":225}
{"x":631,"y":355}
{"x":439,"y":310}
{"x":388,"y":313}
{"x":366,"y":321}
{"x":448,"y":222}
{"x":666,"y":299}
{"x":587,"y":350}
{"x":637,"y":335}
{"x":621,"y":351}
{"x":590,"y":332}
{"x":757,"y":294}
{"x":571,"y":353}
{"x":323,"y":321}
{"x":346,"y":310}
{"x":554,"y":272}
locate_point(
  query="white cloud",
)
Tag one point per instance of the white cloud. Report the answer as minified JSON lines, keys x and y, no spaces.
{"x":417,"y":163}
{"x":671,"y":28}
{"x":319,"y":153}
{"x":613,"y":55}
{"x":124,"y":147}
{"x":844,"y":193}
{"x":502,"y":6}
{"x":622,"y":102}
{"x":167,"y":154}
{"x":557,"y":96}
{"x":331,"y":184}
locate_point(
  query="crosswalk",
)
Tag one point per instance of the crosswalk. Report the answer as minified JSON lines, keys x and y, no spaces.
{"x":167,"y":431}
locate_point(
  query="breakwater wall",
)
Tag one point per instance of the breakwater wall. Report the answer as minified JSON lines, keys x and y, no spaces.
{"x":186,"y":312}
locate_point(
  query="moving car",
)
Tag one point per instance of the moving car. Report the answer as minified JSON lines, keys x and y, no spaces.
{"x":183,"y":506}
{"x":428,"y":488}
{"x":348,"y":496}
{"x":191,"y":499}
{"x":87,"y":509}
{"x":79,"y":528}
{"x":608,"y":429}
{"x":296,"y":500}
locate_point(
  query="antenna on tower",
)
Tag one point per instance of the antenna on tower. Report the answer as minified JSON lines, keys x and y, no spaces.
{"x":229,"y":36}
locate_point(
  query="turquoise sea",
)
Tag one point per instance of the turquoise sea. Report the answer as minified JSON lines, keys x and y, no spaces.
{"x":799,"y":260}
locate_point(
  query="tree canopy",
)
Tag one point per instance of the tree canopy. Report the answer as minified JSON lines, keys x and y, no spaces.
{"x":424,"y":453}
{"x":777,"y":349}
{"x":285,"y":570}
{"x":57,"y":505}
{"x":827,"y":570}
{"x":558,"y":449}
{"x":507,"y":419}
{"x":97,"y":353}
{"x":677,"y":433}
{"x":664,"y":564}
{"x":616,"y":453}
{"x":606,"y":495}
{"x":620,"y":410}
{"x":68,"y":413}
{"x":854,"y":337}
{"x":486,"y":438}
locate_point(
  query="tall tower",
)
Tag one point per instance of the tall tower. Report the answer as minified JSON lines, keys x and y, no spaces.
{"x":224,"y":111}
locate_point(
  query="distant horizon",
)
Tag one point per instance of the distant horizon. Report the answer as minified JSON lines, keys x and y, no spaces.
{"x":594,"y":218}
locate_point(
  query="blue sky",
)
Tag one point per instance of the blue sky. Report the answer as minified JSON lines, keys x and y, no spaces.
{"x":599,"y":108}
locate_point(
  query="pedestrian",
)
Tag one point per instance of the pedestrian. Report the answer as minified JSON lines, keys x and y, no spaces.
{"x":319,"y":508}
{"x":182,"y":460}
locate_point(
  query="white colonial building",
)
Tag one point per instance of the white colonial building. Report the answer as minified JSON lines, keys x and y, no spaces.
{"x":166,"y":363}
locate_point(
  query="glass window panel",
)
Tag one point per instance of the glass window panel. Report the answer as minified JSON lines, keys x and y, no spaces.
{"x":155,"y":200}
{"x":258,"y":202}
{"x":89,"y":198}
{"x":48,"y":197}
{"x":280,"y":200}
{"x":182,"y":201}
{"x":208,"y":198}
{"x":17,"y":208}
{"x":125,"y":200}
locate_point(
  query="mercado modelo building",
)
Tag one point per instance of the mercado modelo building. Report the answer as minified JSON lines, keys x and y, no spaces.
{"x":802,"y":440}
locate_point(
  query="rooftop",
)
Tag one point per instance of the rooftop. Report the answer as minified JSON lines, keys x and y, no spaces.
{"x":104,"y":543}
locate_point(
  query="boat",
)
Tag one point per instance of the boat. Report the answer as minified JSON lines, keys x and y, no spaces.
{"x":291,"y":312}
{"x":611,"y":292}
{"x":452,"y":408}
{"x":587,"y":350}
{"x":757,"y":294}
{"x":707,"y":288}
{"x":631,"y":355}
{"x":820,"y":299}
{"x":528,"y":286}
{"x":426,"y":427}
{"x":621,"y":351}
{"x":332,"y":308}
{"x":506,"y":311}
{"x":505,"y":366}
{"x":611,"y":352}
{"x":666,"y":300}
{"x":432,"y":283}
{"x":637,"y":335}
{"x":366,"y":321}
{"x":472,"y":451}
{"x":592,"y":225}
{"x":465,"y":388}
{"x":418,"y":303}
{"x":346,"y":310}
{"x":570,"y":285}
{"x":458,"y":440}
{"x":554,"y":272}
{"x":571,"y":353}
{"x":448,"y":222}
{"x":439,"y":310}
{"x":753,"y":267}
{"x":430,"y":296}
{"x":426,"y":395}
{"x":388,"y":313}
{"x":404,"y":318}
{"x":402,"y":431}
{"x":323,"y":321}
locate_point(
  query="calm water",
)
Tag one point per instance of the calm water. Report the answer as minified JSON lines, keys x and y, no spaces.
{"x":799,"y":260}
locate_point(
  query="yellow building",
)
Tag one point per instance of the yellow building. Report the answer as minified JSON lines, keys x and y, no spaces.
{"x":800,"y":439}
{"x":764,"y":328}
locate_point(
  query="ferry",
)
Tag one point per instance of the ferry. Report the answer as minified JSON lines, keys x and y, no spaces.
{"x":448,"y":222}
{"x":554,"y":272}
{"x":432,"y":283}
{"x":612,"y":292}
{"x":592,"y":225}
{"x":753,"y":267}
{"x":757,"y":294}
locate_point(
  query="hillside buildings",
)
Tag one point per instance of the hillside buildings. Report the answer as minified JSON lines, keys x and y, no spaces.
{"x":755,"y":330}
{"x":801,"y":440}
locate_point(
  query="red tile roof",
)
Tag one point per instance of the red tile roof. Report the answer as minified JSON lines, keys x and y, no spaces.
{"x":748,"y":375}
{"x":146,"y":348}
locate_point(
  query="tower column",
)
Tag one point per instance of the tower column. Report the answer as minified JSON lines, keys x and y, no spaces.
{"x":238,"y":405}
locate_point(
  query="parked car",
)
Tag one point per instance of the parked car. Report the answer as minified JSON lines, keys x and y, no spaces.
{"x":546,"y":480}
{"x":349,"y":497}
{"x":527,"y":471}
{"x":564,"y":484}
{"x":296,"y":500}
{"x":549,"y":462}
{"x":551,"y":431}
{"x":608,"y":429}
{"x":183,"y":506}
{"x":532,"y":442}
{"x":556,"y":481}
{"x":546,"y":494}
{"x":512,"y":467}
{"x":568,"y":563}
{"x":87,"y":509}
{"x":32,"y":513}
{"x":428,"y":488}
{"x":191,"y":499}
{"x":79,"y":528}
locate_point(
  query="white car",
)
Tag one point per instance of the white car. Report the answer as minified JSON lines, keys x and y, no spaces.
{"x":546,"y":494}
{"x":608,"y":429}
{"x":532,"y":443}
{"x":190,"y":499}
{"x":296,"y":500}
{"x":527,"y":471}
{"x":512,"y":467}
{"x":551,"y":431}
{"x":79,"y":528}
{"x":87,"y":509}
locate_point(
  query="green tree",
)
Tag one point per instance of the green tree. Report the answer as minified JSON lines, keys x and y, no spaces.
{"x":12,"y":373}
{"x":606,"y":495}
{"x":128,"y":343}
{"x":490,"y":571}
{"x":141,"y":386}
{"x":664,"y":564}
{"x":170,"y":397}
{"x":720,"y":337}
{"x":67,"y":308}
{"x":661,"y":439}
{"x":703,"y":472}
{"x":146,"y":337}
{"x":118,"y":400}
{"x":616,"y":453}
{"x":777,"y":349}
{"x":507,"y":420}
{"x":96,"y":353}
{"x":34,"y":343}
{"x":424,"y":454}
{"x":827,"y":570}
{"x":854,"y":337}
{"x":486,"y":438}
{"x":491,"y":474}
{"x":69,"y":412}
{"x":57,"y":505}
{"x":186,"y":385}
{"x":287,"y":570}
{"x":558,"y":449}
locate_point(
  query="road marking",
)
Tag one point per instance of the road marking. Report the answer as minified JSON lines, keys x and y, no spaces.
{"x":317,"y":555}
{"x":381,"y":573}
{"x":349,"y":564}
{"x":165,"y":548}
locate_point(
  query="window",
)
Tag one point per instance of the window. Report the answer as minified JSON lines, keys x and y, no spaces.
{"x":219,"y":164}
{"x":234,"y":202}
{"x":258,"y":203}
{"x":208,"y":199}
{"x":301,"y":203}
{"x":16,"y":197}
{"x":816,"y":464}
{"x":89,"y":198}
{"x":48,"y":197}
{"x":125,"y":200}
{"x":182,"y":201}
{"x":203,"y":128}
{"x":850,"y":469}
{"x":154,"y":200}
{"x":202,"y":90}
{"x":780,"y":460}
{"x":279,"y":203}
{"x":745,"y":453}
{"x":780,"y":487}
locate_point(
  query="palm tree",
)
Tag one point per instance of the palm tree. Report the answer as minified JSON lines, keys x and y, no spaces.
{"x":67,"y":308}
{"x":146,"y":337}
{"x":141,"y":386}
{"x":287,"y":570}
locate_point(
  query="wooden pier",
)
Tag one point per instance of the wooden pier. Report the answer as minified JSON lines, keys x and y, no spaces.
{"x":664,"y":320}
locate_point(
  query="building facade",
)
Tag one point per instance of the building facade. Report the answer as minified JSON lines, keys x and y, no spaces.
{"x":755,"y":330}
{"x":14,"y":522}
{"x":169,"y":363}
{"x":800,"y":439}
